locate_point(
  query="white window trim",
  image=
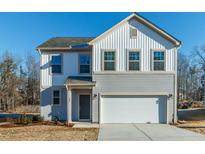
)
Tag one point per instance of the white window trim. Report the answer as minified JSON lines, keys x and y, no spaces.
{"x":61,"y":54}
{"x":103,"y":61}
{"x":81,"y":54}
{"x":160,"y":50}
{"x":59,"y":97}
{"x":128,"y":61}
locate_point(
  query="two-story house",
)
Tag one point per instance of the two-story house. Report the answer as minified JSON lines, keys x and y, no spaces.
{"x":128,"y":74}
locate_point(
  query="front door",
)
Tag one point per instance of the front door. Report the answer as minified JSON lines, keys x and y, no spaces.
{"x":84,"y":107}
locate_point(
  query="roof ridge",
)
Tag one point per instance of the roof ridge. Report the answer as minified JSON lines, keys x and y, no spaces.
{"x":72,"y":37}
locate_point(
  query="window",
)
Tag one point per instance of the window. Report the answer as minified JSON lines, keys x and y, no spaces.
{"x":133,"y":32}
{"x":56,"y":97}
{"x":56,"y":64}
{"x":84,"y":62}
{"x":134,"y":60}
{"x":109,"y":60}
{"x":159,"y":61}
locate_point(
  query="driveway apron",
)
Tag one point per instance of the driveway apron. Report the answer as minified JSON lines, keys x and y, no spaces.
{"x":146,"y":132}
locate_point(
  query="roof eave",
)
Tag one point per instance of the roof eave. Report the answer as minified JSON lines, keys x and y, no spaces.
{"x":109,"y":30}
{"x":159,"y":30}
{"x":61,"y":48}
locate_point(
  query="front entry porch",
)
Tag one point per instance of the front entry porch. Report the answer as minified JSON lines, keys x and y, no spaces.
{"x":79,"y":99}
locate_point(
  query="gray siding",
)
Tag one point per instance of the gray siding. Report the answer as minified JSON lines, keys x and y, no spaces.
{"x":74,"y":106}
{"x":134,"y":83}
{"x":48,"y":111}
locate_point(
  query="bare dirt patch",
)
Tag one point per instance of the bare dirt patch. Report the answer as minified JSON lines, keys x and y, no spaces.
{"x":48,"y":133}
{"x":197,"y":130}
{"x":195,"y":126}
{"x":199,"y":123}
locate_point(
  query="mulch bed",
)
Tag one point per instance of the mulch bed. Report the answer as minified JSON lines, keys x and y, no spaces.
{"x":12,"y":125}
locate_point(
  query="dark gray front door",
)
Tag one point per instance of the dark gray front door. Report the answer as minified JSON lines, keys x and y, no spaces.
{"x":84,"y":107}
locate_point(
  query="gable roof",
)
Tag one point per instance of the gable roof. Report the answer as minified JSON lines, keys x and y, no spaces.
{"x":66,"y":42}
{"x":147,"y":23}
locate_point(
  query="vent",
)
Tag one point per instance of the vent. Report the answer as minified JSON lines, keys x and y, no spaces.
{"x":133,"y":32}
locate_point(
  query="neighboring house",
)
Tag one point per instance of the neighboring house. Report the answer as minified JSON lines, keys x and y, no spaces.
{"x":128,"y":74}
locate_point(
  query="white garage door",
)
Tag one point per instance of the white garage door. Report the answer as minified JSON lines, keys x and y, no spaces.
{"x":133,"y":109}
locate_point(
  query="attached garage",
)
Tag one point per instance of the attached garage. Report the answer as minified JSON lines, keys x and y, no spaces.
{"x":133,"y":109}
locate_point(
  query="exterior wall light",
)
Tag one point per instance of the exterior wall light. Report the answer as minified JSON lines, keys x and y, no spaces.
{"x":170,"y":96}
{"x":95,"y":96}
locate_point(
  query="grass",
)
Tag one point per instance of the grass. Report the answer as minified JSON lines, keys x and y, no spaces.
{"x":48,"y":133}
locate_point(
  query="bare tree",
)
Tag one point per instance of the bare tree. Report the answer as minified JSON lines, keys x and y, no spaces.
{"x":189,"y":79}
{"x":8,"y":82}
{"x":33,"y":83}
{"x":19,"y":84}
{"x":183,"y":66}
{"x":199,"y":58}
{"x":199,"y":54}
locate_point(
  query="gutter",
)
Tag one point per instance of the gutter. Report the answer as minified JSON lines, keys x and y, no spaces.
{"x":63,"y":48}
{"x":39,"y":51}
{"x":175,"y":117}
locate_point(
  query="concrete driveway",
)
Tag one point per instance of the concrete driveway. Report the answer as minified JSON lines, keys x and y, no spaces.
{"x":146,"y":132}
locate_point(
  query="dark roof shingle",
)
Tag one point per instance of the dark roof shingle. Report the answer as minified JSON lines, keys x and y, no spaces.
{"x":63,"y":42}
{"x":80,"y":80}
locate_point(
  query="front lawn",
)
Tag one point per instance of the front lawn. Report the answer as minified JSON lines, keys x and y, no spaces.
{"x":48,"y":133}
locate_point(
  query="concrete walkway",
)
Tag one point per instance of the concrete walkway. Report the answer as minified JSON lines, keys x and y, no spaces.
{"x":146,"y":132}
{"x":85,"y":125}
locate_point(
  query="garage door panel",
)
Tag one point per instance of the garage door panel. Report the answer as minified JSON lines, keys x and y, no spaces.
{"x":132,"y":109}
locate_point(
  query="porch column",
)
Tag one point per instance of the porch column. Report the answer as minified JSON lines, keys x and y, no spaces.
{"x":69,"y":105}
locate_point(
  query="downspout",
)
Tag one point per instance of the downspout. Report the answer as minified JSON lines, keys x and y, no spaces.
{"x":39,"y":51}
{"x":175,"y":118}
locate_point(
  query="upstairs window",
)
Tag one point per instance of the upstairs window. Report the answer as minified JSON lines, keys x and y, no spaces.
{"x":133,"y":32}
{"x":56,"y":64}
{"x":159,"y":61}
{"x":56,"y":97}
{"x":109,"y":61}
{"x":84,"y":64}
{"x":134,"y":60}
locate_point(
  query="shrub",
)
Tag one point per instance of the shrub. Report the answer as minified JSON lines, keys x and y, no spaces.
{"x":25,"y":119}
{"x":184,"y":105}
{"x":37,"y":118}
{"x":29,"y":120}
{"x":55,"y":119}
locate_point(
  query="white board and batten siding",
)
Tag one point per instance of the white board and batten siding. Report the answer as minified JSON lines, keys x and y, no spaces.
{"x":147,"y":40}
